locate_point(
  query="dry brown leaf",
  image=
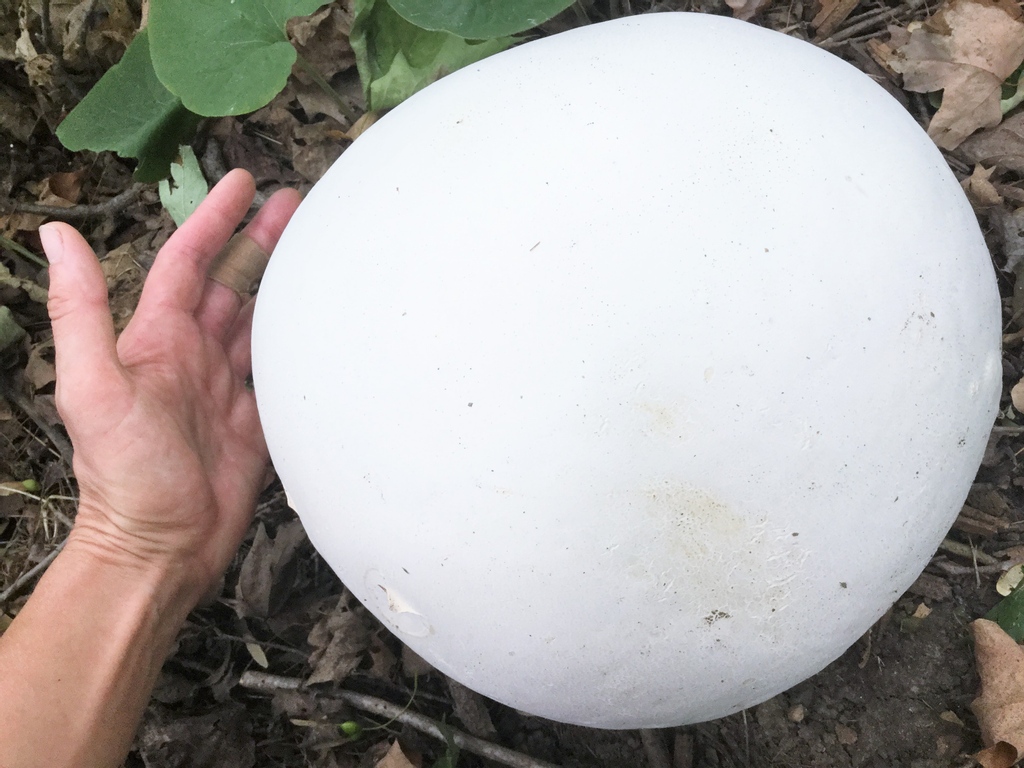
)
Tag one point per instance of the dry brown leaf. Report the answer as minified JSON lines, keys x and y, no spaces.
{"x":12,"y":223}
{"x":966,"y":50}
{"x":747,"y":9}
{"x":382,"y":660}
{"x":1008,"y":226}
{"x":1017,"y":396}
{"x":396,"y":758}
{"x":979,"y":188}
{"x":323,"y":40}
{"x":263,"y":579}
{"x":414,"y":665}
{"x":40,"y":372}
{"x":339,"y":640}
{"x":65,"y":186}
{"x":1002,"y":145}
{"x":1000,"y":703}
{"x":315,"y":148}
{"x":471,"y":708}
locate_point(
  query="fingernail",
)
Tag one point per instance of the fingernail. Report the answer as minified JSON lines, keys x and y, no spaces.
{"x":53,"y":242}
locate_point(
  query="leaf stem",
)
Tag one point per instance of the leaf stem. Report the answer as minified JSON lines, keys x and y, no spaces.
{"x":310,"y":70}
{"x":10,"y":245}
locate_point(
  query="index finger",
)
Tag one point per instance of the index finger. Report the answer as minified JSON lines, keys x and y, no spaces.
{"x":178,"y":277}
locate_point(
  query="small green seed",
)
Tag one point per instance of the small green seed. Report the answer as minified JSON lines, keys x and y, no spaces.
{"x":351,"y":729}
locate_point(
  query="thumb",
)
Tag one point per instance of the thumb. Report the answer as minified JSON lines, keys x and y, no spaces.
{"x":83,"y":330}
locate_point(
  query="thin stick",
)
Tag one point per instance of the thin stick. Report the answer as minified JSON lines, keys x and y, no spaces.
{"x":29,"y":575}
{"x":966,"y":550}
{"x":265,"y":683}
{"x":106,"y":208}
{"x":859,"y":24}
{"x":1008,"y":430}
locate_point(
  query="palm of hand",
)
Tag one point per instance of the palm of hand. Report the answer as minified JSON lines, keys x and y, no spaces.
{"x":169,"y":454}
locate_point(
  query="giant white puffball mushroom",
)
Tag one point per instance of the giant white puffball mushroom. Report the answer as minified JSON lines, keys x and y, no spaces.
{"x":630,"y":375}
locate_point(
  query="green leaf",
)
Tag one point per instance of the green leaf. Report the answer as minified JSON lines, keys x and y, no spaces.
{"x":450,"y":758}
{"x":10,"y":331}
{"x":478,"y":19}
{"x":189,"y":190}
{"x":1009,"y":613}
{"x":1012,"y":90}
{"x":224,"y":57}
{"x":130,"y":112}
{"x":396,"y":58}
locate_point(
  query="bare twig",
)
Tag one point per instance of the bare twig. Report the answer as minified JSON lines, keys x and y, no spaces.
{"x":953,"y":569}
{"x":968,"y":551}
{"x":107,"y":208}
{"x":31,"y":574}
{"x":656,"y":749}
{"x":863,"y":23}
{"x":265,"y":683}
{"x":1008,"y":430}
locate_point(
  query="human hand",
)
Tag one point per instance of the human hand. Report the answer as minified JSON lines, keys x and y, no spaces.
{"x":169,"y":454}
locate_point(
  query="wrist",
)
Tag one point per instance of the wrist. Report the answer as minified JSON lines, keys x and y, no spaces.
{"x":82,"y":656}
{"x":171,"y":584}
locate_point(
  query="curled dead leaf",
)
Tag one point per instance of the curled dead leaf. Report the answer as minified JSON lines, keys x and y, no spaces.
{"x":979,"y":188}
{"x":966,"y":50}
{"x":1000,"y":703}
{"x":1017,"y":396}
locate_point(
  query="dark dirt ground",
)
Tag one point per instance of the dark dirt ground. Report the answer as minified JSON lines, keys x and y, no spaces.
{"x":900,"y":697}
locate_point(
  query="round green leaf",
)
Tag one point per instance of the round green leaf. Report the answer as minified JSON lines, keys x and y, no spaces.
{"x":220,"y":57}
{"x":130,"y":112}
{"x":478,"y":19}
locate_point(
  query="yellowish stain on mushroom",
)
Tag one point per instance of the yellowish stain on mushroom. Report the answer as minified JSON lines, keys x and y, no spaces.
{"x":668,"y":419}
{"x":711,"y":559}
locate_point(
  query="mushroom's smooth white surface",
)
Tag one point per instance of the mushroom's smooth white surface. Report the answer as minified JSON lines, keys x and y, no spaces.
{"x":630,"y":375}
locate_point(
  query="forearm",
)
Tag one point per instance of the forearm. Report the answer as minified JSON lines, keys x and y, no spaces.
{"x":78,"y":663}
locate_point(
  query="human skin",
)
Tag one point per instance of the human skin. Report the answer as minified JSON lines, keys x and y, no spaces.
{"x":169,"y":459}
